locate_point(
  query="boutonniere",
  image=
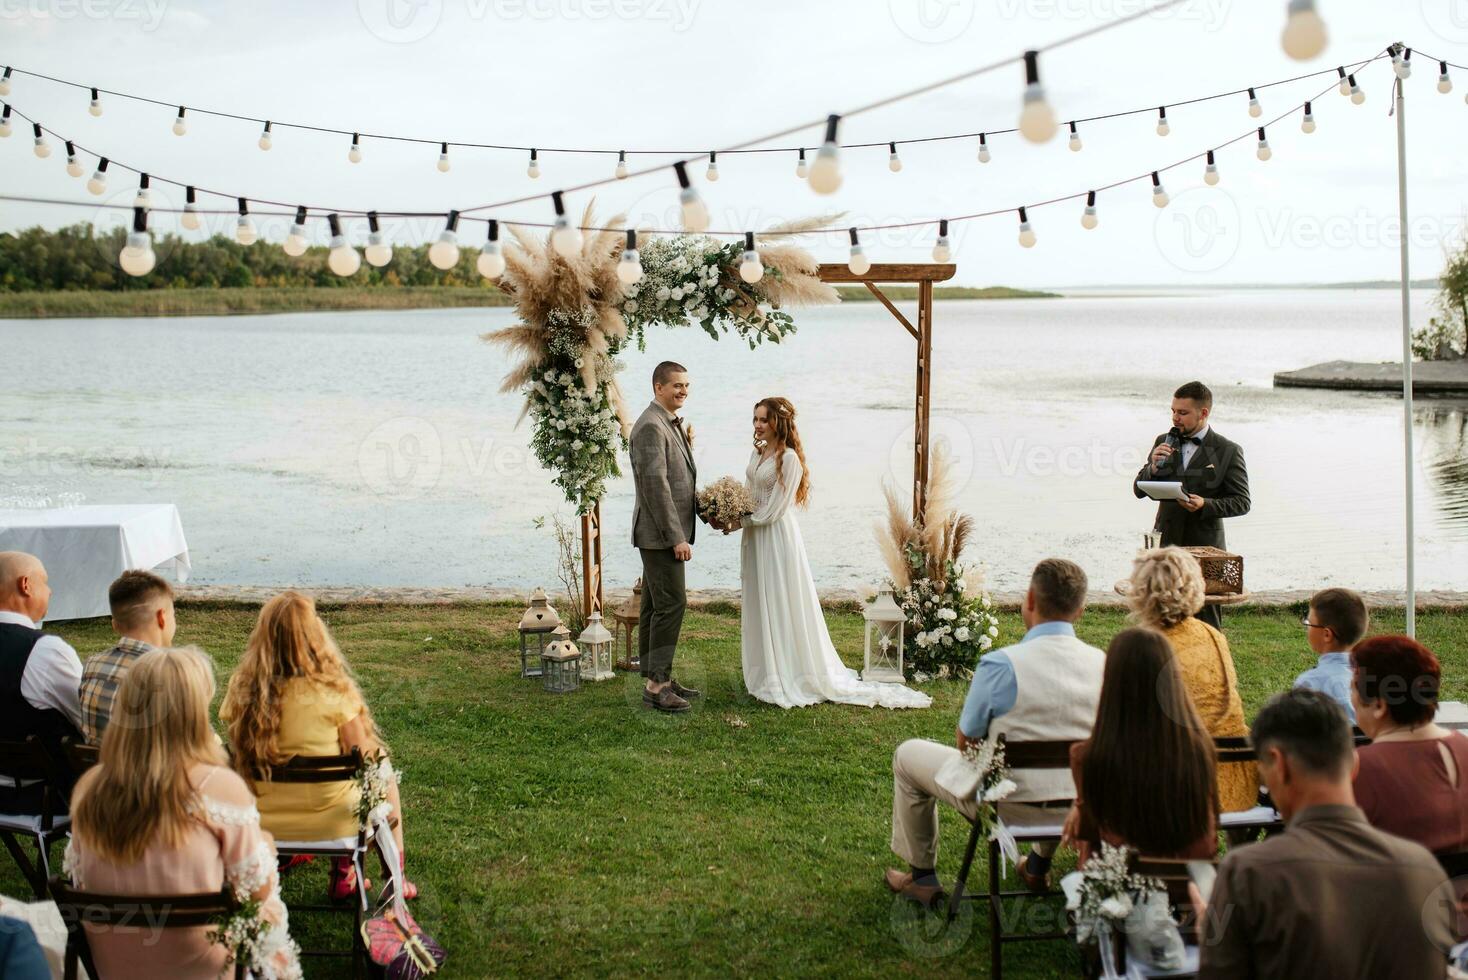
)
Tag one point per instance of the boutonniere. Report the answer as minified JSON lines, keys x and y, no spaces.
{"x":1210,"y":466}
{"x":688,"y":431}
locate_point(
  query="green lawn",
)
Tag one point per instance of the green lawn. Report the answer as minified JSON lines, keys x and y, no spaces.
{"x":583,"y":835}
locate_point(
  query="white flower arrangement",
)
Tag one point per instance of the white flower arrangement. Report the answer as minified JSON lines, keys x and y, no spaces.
{"x":1106,"y":891}
{"x":724,"y":501}
{"x":375,"y":781}
{"x":266,"y":949}
{"x":952,"y":621}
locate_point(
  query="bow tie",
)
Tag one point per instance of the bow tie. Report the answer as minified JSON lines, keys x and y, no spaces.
{"x":677,"y":421}
{"x":1195,"y":440}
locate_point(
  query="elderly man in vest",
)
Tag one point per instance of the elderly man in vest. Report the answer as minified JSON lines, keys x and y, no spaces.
{"x":1042,"y":689}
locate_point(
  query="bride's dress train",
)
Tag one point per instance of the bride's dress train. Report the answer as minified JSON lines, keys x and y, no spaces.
{"x":788,"y":656}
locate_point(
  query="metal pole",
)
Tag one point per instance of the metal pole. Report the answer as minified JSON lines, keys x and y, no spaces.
{"x":1406,"y":357}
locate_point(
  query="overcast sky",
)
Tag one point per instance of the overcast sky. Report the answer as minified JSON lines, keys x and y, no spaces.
{"x":677,"y":74}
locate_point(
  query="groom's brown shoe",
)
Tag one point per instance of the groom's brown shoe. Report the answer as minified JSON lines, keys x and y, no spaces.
{"x":683,"y":692}
{"x":925,"y":895}
{"x":665,"y":700}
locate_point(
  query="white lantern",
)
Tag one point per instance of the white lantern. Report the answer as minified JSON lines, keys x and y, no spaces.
{"x":596,"y":650}
{"x":560,"y":664}
{"x":535,"y":632}
{"x":885,"y":623}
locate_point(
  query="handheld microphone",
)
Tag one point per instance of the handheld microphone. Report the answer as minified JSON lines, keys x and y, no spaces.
{"x":1174,"y":439}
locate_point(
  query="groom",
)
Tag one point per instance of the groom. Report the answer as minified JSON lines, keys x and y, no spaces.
{"x":664,"y":517}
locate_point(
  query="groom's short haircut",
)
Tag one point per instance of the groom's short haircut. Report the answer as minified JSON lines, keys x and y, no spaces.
{"x":1059,"y":587}
{"x":1197,"y":391}
{"x":664,"y":372}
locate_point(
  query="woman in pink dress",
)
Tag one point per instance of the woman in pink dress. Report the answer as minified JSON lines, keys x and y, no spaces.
{"x":163,"y":814}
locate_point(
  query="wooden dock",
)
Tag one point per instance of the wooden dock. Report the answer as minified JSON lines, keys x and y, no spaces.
{"x":1428,"y":377}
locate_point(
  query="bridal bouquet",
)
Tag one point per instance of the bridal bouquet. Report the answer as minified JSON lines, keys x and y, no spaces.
{"x":725,"y":501}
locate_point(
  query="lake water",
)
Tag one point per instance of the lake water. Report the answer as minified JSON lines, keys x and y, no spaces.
{"x":374,"y":448}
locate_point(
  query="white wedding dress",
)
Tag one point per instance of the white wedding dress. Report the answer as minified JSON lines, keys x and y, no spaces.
{"x":788,"y":656}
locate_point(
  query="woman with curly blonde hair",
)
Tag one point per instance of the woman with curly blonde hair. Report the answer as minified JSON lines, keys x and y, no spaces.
{"x":1166,"y":591}
{"x":293,"y":694}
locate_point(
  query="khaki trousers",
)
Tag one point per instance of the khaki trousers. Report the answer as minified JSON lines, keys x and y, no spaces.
{"x":915,"y":794}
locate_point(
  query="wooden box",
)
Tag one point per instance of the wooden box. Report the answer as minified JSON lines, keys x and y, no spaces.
{"x":1223,"y":572}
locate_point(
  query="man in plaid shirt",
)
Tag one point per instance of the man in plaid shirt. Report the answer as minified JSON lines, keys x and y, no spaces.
{"x":142,"y":615}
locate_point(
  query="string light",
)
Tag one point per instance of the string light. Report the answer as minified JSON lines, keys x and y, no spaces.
{"x":1210,"y":172}
{"x":1075,"y":139}
{"x":1307,"y":125}
{"x":443,"y":158}
{"x":264,"y":142}
{"x":1304,"y":32}
{"x":143,"y":199}
{"x":1345,"y":86}
{"x":95,"y":106}
{"x":1162,"y":127}
{"x":629,"y":267}
{"x":98,"y":182}
{"x":1088,"y":216}
{"x":858,"y":262}
{"x":5,"y":121}
{"x":1255,"y":109}
{"x":136,"y":257}
{"x":621,"y":171}
{"x":751,"y":270}
{"x":825,"y":173}
{"x":244,"y":228}
{"x":1402,"y":62}
{"x":894,"y":162}
{"x":1026,"y":233}
{"x":695,"y":212}
{"x":5,"y":82}
{"x":73,"y":165}
{"x":984,"y":155}
{"x":712,"y":173}
{"x":190,"y":217}
{"x":342,"y":259}
{"x":801,"y":170}
{"x":1159,"y":193}
{"x":942,"y":252}
{"x":565,"y":237}
{"x":42,"y":148}
{"x":444,"y":253}
{"x":378,"y":251}
{"x":532,"y":170}
{"x":354,"y":154}
{"x":491,"y":261}
{"x":1036,"y":120}
{"x":295,"y":242}
{"x":180,"y":124}
{"x":1263,"y":152}
{"x":1357,"y":96}
{"x":1444,"y":82}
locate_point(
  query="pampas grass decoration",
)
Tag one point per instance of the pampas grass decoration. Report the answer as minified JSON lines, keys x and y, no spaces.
{"x":940,"y":535}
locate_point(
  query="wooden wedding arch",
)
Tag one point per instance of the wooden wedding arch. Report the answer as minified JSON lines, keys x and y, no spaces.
{"x":922,"y":275}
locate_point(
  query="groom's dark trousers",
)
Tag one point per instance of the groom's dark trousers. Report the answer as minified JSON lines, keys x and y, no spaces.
{"x":663,"y":603}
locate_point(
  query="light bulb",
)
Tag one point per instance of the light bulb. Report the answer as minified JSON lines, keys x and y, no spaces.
{"x":42,"y":148}
{"x":73,"y":165}
{"x":491,"y":261}
{"x":180,"y":125}
{"x":1036,"y":120}
{"x":244,"y":230}
{"x":1088,"y":217}
{"x":1027,"y":237}
{"x":894,"y":162}
{"x":137,"y":257}
{"x":1357,"y":96}
{"x":342,"y":259}
{"x":621,"y":170}
{"x":143,"y":198}
{"x":825,"y":173}
{"x":984,"y":155}
{"x":533,"y":169}
{"x":629,"y":267}
{"x":5,"y":82}
{"x":1345,"y":85}
{"x":1210,"y":172}
{"x":295,"y":242}
{"x":858,"y":262}
{"x":942,"y":251}
{"x":712,"y":173}
{"x":1307,"y":124}
{"x":1255,"y":109}
{"x":354,"y":155}
{"x":1162,"y":127}
{"x":565,"y":238}
{"x":95,"y":106}
{"x":190,"y":218}
{"x":1304,"y":31}
{"x":443,"y":158}
{"x":98,"y":183}
{"x":1159,"y":193}
{"x":1264,"y":152}
{"x":264,"y":141}
{"x":1075,"y":139}
{"x":695,"y":212}
{"x":378,"y":251}
{"x":444,"y":253}
{"x":801,"y":169}
{"x":1402,"y":63}
{"x":1444,"y":82}
{"x":751,"y":270}
{"x":5,"y":123}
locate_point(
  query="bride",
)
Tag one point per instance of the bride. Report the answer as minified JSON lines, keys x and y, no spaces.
{"x":788,"y":656}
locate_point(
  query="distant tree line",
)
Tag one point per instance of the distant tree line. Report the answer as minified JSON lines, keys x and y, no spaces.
{"x":81,"y":257}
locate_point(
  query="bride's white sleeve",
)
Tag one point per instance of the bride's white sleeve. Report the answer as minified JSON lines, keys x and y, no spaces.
{"x":783,"y":496}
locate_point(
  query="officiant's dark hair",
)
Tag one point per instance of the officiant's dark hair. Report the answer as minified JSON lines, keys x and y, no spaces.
{"x":1197,"y":391}
{"x":666,"y":370}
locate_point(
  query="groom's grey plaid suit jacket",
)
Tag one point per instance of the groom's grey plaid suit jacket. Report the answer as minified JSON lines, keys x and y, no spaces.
{"x":664,"y":513}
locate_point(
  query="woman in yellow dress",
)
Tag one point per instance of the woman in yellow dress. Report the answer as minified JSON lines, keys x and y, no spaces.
{"x":293,"y":694}
{"x":1166,"y":590}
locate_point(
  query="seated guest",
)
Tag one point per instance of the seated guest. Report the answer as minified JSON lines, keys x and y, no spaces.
{"x":1336,"y":620}
{"x":1145,"y":778}
{"x":1412,"y":779}
{"x":1166,"y":591}
{"x":162,"y":814}
{"x":21,"y":955}
{"x":1332,"y":896}
{"x":293,"y":694}
{"x":1043,"y":688}
{"x":39,"y":673}
{"x":142,"y":616}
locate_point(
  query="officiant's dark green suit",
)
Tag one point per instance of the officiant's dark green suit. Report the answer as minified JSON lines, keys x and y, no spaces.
{"x":664,"y":515}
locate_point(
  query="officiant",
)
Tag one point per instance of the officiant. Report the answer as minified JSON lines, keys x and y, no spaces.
{"x":1211,"y":470}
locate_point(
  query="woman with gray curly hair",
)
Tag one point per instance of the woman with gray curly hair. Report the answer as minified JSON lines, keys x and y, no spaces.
{"x":1166,"y":592}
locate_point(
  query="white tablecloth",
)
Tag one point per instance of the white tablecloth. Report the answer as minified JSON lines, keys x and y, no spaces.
{"x":85,"y":548}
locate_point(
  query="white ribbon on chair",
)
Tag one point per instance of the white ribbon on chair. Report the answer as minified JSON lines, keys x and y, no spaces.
{"x":1008,"y":846}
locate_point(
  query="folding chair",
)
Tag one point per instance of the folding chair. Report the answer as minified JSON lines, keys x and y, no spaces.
{"x":330,"y":769}
{"x":1236,"y":748}
{"x":80,"y":756}
{"x":26,"y":764}
{"x":122,"y":911}
{"x":1175,"y":877}
{"x":1018,"y":756}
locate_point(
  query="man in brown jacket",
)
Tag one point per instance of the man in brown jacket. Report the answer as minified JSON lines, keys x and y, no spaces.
{"x":1332,"y":896}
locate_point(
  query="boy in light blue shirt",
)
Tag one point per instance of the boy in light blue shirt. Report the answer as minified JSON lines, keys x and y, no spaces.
{"x":1336,"y":621}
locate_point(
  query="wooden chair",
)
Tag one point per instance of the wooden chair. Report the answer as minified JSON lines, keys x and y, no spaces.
{"x":79,"y":908}
{"x":1018,"y":756}
{"x":1237,"y":748}
{"x":80,"y":756}
{"x":1174,"y":875}
{"x":28,"y":764}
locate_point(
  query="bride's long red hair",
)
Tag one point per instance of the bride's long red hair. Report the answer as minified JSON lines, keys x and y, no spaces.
{"x":786,"y":436}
